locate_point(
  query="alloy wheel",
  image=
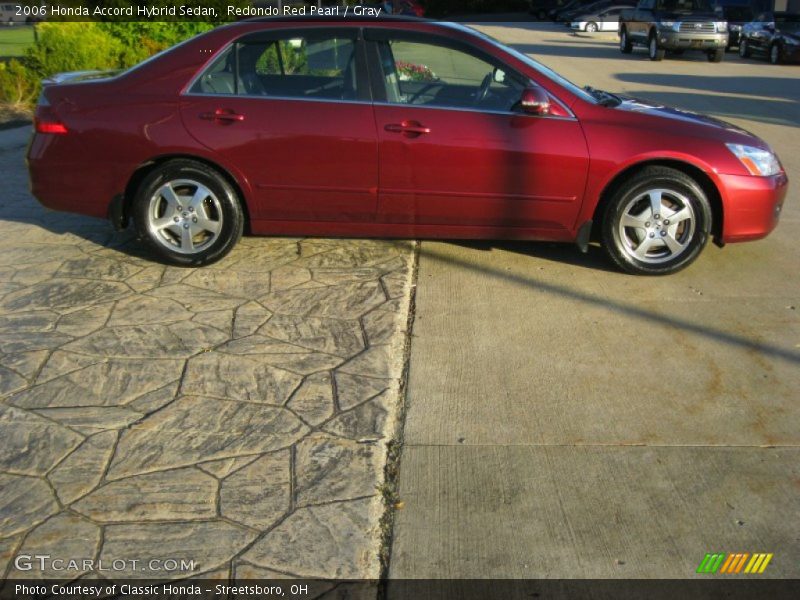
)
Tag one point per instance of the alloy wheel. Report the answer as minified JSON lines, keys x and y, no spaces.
{"x":775,"y":54}
{"x":184,"y":216}
{"x":657,"y":226}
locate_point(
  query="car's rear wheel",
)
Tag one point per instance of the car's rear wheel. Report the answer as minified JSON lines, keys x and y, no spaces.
{"x":656,"y":223}
{"x":654,"y":51}
{"x":716,"y":55}
{"x":591,"y":27}
{"x":744,"y":48}
{"x":625,"y":45}
{"x":188,"y":213}
{"x":775,"y":54}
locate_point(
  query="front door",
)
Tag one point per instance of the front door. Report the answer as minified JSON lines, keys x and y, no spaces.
{"x":454,"y":153}
{"x":292,"y":111}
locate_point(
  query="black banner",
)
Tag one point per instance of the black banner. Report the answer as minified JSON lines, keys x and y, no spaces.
{"x":711,"y":588}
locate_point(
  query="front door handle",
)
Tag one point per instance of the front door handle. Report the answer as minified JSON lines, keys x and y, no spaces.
{"x":222,"y":114}
{"x":408,"y":128}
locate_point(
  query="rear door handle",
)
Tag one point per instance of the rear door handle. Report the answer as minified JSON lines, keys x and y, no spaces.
{"x":408,"y":128}
{"x":222,"y":114}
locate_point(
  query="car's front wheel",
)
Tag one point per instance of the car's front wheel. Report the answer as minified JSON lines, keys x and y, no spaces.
{"x":654,"y":51}
{"x":591,"y":27}
{"x":775,"y":54}
{"x":188,"y":213}
{"x":625,"y":45}
{"x":656,"y":223}
{"x":744,"y":48}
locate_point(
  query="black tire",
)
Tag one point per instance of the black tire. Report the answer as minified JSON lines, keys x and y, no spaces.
{"x":653,"y":51}
{"x":591,"y":27}
{"x":625,"y":45}
{"x":716,"y":55}
{"x":775,"y":54}
{"x":542,"y":15}
{"x":221,"y":208}
{"x":622,"y":242}
{"x":744,"y":48}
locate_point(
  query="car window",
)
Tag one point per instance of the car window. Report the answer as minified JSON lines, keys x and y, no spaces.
{"x":318,"y":67}
{"x":430,"y":74}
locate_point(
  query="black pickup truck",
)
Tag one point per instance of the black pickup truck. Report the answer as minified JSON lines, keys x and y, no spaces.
{"x":675,"y":26}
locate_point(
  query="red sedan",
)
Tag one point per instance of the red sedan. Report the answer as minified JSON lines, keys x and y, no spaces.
{"x":391,"y":128}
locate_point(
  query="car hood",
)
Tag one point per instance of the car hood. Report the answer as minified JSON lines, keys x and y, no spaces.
{"x":667,"y":115}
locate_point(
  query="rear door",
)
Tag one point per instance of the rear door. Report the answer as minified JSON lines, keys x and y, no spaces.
{"x":452,"y":150}
{"x":292,"y":109}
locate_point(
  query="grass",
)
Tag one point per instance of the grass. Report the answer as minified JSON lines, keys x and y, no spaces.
{"x":14,"y":40}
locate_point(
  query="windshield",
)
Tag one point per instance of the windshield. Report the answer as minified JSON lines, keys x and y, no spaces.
{"x":546,"y":71}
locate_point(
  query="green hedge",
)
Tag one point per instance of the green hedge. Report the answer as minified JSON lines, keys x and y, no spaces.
{"x":66,"y":46}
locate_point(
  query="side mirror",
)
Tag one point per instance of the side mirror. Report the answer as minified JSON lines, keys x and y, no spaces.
{"x":534,"y":101}
{"x":498,"y":75}
{"x":770,"y":27}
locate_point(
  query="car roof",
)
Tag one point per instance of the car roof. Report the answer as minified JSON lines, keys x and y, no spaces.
{"x":359,"y":22}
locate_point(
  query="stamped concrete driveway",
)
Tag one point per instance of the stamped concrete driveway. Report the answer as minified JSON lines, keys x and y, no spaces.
{"x":235,"y":416}
{"x":566,"y":420}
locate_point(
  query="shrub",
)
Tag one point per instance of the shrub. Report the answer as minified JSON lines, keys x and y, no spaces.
{"x":74,"y":47}
{"x":17,"y":86}
{"x":65,"y":46}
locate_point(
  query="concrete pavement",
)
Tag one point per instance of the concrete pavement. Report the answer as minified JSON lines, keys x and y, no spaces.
{"x":566,"y":420}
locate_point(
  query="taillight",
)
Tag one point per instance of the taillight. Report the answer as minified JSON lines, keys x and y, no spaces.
{"x":55,"y":127}
{"x":45,"y":120}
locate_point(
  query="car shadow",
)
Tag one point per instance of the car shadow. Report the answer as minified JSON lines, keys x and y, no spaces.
{"x":628,"y":310}
{"x":596,"y":50}
{"x":561,"y":253}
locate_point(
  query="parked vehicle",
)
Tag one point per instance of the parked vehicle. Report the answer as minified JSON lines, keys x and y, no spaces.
{"x":774,"y":35}
{"x":390,"y":128}
{"x":9,"y":14}
{"x":556,"y":13}
{"x":604,"y":19}
{"x":675,"y":25}
{"x":404,"y":7}
{"x":541,"y":8}
{"x":567,"y":16}
{"x":737,"y":13}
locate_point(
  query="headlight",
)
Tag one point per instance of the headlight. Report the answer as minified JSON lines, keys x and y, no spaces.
{"x":762,"y":163}
{"x":722,"y":26}
{"x":735,"y":27}
{"x":670,"y":24}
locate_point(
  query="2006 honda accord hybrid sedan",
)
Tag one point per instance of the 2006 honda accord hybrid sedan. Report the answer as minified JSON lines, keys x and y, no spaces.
{"x":390,"y":128}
